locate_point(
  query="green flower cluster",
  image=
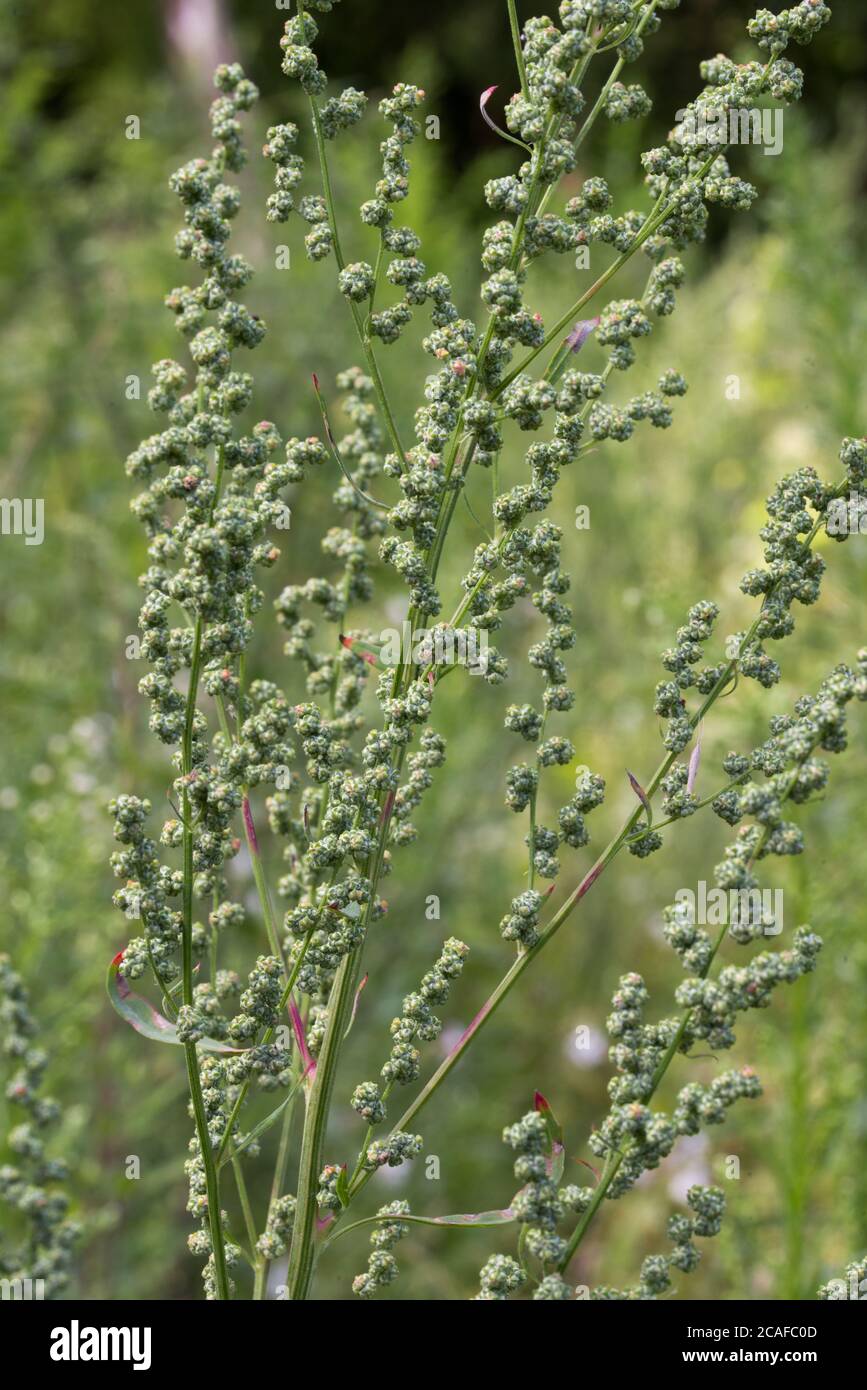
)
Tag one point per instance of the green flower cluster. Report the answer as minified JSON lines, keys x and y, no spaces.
{"x":641,"y":1051}
{"x":417,"y":1022}
{"x":381,"y":1265}
{"x":708,"y":1204}
{"x":537,"y":1206}
{"x":499,"y":1276}
{"x":207,"y":536}
{"x":278,"y":1230}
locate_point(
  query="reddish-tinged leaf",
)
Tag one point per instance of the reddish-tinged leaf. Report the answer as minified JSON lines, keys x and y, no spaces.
{"x":641,"y":794}
{"x":594,"y":1171}
{"x":557,"y":1157}
{"x":483,"y":101}
{"x":580,"y":333}
{"x":144,"y":1018}
{"x":367,"y":652}
{"x":249,"y":826}
{"x":498,"y":130}
{"x":355,"y":1006}
{"x":695,"y":759}
{"x":301,"y":1039}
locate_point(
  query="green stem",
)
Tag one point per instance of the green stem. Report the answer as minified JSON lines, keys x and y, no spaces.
{"x":651,"y":225}
{"x":212,"y":1181}
{"x":246,"y":1209}
{"x":261,"y":1281}
{"x":260,"y":879}
{"x":519,"y":52}
{"x":302,"y":1253}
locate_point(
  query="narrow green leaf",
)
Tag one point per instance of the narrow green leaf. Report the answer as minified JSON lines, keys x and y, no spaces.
{"x":470,"y":1219}
{"x":503,"y":1217}
{"x":342,"y":1186}
{"x":355,"y":1000}
{"x":383,"y":506}
{"x":258,"y":1130}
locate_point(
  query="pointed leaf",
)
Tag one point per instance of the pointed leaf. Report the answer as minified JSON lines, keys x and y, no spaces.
{"x":383,"y":506}
{"x":498,"y":130}
{"x":258,"y":1130}
{"x":695,"y":759}
{"x":557,"y":1158}
{"x":144,"y":1018}
{"x":354,"y":1005}
{"x":641,"y":794}
{"x":366,"y":650}
{"x":470,"y":1219}
{"x":309,"y":1062}
{"x":341,"y":1187}
{"x":503,"y":1217}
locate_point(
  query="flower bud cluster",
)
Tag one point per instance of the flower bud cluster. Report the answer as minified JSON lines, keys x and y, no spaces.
{"x":381,"y":1265}
{"x":708,"y":1204}
{"x":416,"y":1022}
{"x":537,"y":1205}
{"x":499,"y":1276}
{"x":274,"y":1240}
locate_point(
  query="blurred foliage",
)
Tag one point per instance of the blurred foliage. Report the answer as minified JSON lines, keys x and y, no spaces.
{"x":86,"y":223}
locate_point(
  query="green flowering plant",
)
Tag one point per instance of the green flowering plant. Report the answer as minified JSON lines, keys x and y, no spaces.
{"x":39,"y":1237}
{"x":214,"y":498}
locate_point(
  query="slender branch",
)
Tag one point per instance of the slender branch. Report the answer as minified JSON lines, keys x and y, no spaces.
{"x":519,"y":52}
{"x":212,"y":1180}
{"x":279,"y":1178}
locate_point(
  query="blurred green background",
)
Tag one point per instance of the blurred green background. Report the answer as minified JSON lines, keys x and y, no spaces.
{"x":775,"y":298}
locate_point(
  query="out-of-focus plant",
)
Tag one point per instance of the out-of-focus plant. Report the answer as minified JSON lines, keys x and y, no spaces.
{"x":36,"y":1247}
